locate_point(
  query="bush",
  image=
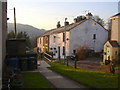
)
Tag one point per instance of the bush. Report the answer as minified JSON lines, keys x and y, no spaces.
{"x":83,"y":52}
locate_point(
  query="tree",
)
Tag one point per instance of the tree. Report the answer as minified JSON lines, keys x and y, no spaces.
{"x":20,"y":35}
{"x":11,"y":35}
{"x":95,"y":17}
{"x":79,"y":18}
{"x":99,"y":20}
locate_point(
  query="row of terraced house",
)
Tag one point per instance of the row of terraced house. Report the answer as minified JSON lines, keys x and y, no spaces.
{"x":65,"y":40}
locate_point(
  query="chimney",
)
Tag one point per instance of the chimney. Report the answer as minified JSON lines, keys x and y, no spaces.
{"x":58,"y":24}
{"x":66,"y":23}
{"x":89,"y":15}
{"x":75,"y":20}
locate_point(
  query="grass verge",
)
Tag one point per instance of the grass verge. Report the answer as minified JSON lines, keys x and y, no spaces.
{"x":94,"y":79}
{"x":35,"y":80}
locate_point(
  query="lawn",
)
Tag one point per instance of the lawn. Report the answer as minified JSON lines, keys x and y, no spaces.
{"x":94,"y":79}
{"x":35,"y":80}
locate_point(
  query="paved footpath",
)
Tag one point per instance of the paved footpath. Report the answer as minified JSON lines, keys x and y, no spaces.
{"x":56,"y":79}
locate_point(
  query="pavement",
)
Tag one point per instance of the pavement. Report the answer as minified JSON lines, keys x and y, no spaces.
{"x":57,"y":80}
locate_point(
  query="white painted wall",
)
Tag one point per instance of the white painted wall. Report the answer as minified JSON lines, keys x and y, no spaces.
{"x":40,"y":45}
{"x":58,"y":41}
{"x":79,"y":36}
{"x":83,"y":35}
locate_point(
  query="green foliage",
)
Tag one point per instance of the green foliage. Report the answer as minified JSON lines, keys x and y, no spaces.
{"x":96,"y":18}
{"x":94,"y":79}
{"x":79,"y":18}
{"x":35,"y":80}
{"x":99,"y":20}
{"x":20,"y":35}
{"x":11,"y":35}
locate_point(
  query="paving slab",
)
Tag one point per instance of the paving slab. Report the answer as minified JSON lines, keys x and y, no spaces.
{"x":58,"y":80}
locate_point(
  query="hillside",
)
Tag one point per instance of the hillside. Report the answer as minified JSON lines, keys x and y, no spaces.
{"x":30,"y":30}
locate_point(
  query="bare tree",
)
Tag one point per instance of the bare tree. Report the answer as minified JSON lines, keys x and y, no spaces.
{"x":99,"y":20}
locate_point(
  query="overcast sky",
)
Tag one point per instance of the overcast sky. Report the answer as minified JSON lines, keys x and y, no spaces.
{"x":44,"y":14}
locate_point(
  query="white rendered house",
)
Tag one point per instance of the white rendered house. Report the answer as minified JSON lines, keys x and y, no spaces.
{"x":86,"y":32}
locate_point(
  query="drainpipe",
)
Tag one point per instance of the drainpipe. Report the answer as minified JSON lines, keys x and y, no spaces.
{"x":65,"y":39}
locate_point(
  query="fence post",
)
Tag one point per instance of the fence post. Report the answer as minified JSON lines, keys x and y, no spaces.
{"x":67,"y":60}
{"x":75,"y":65}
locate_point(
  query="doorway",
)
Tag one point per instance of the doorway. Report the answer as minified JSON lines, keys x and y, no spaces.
{"x":59,"y":52}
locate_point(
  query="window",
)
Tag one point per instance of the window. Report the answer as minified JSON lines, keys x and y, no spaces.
{"x":74,"y":51}
{"x":63,"y":37}
{"x":54,"y":38}
{"x":51,"y":49}
{"x":94,"y":36}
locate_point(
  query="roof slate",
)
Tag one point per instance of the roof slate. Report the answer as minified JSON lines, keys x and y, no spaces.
{"x":114,"y":43}
{"x":116,"y":15}
{"x":63,"y":28}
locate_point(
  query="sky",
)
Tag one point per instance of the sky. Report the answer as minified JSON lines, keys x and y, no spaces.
{"x":44,"y":14}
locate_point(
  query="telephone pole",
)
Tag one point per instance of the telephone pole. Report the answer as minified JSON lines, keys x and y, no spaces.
{"x":15,"y":23}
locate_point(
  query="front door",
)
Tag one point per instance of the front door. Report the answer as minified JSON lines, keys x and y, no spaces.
{"x":59,"y":52}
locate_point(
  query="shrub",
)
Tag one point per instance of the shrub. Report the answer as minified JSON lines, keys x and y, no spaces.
{"x":83,"y":52}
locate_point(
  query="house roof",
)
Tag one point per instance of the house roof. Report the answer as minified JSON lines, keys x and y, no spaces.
{"x":116,"y":15}
{"x":62,"y":29}
{"x":114,"y":43}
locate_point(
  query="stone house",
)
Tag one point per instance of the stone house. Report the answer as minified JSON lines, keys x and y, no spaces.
{"x":112,"y":47}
